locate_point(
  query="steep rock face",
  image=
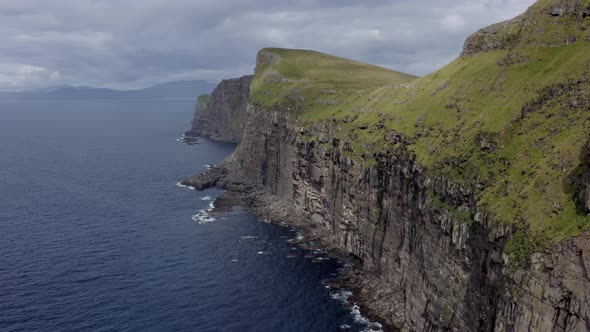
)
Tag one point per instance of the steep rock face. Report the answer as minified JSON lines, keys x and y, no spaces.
{"x":432,"y":260}
{"x":223,"y":117}
{"x":582,"y":180}
{"x":423,"y":268}
{"x":431,"y":256}
{"x":553,"y":294}
{"x":200,"y":108}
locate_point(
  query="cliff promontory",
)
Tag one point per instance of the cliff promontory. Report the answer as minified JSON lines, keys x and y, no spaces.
{"x":221,"y":117}
{"x":462,"y":195}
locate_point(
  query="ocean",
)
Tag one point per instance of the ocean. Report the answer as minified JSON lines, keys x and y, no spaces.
{"x":96,"y":235}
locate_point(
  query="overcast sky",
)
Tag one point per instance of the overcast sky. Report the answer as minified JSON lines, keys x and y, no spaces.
{"x":135,"y":43}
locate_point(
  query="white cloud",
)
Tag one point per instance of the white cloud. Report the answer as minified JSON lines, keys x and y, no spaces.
{"x":453,"y":22}
{"x":137,"y":42}
{"x":17,"y":75}
{"x":85,"y":39}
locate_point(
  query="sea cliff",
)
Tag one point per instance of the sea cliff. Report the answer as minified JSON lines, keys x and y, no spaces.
{"x":221,"y":116}
{"x":462,"y":195}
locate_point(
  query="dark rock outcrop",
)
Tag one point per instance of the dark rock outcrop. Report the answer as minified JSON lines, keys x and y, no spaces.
{"x":223,"y":118}
{"x":581,"y":180}
{"x":503,"y":35}
{"x":552,"y":295}
{"x":546,"y":23}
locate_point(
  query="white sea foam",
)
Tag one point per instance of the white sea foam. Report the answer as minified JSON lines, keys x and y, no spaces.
{"x":204,"y":216}
{"x":356,"y":313}
{"x":343,"y":296}
{"x":359,"y":318}
{"x":249,"y":237}
{"x":260,"y":252}
{"x":206,"y":198}
{"x":320,"y":259}
{"x":179,"y":184}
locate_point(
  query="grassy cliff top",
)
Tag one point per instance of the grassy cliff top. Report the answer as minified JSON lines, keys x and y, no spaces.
{"x":314,"y":79}
{"x":509,"y":119}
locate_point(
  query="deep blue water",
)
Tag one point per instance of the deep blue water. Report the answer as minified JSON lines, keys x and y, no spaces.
{"x":96,"y":236}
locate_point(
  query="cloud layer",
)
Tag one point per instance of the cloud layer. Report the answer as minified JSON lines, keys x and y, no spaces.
{"x":129,"y":44}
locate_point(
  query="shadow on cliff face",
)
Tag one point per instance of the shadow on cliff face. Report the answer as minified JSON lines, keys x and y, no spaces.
{"x":578,"y":181}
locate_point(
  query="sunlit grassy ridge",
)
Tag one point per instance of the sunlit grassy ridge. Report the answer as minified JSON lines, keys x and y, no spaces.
{"x":315,"y":79}
{"x":508,"y":120}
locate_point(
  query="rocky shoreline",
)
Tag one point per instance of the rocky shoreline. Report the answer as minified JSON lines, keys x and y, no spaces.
{"x":351,"y":277}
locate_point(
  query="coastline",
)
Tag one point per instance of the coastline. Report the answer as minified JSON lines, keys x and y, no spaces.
{"x":262,"y":204}
{"x":456,"y":223}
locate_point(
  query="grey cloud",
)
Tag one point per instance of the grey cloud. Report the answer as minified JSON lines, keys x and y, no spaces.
{"x":136,"y":43}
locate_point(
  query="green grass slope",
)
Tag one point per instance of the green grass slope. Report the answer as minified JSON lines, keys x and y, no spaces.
{"x":508,"y":119}
{"x":202,"y":100}
{"x":314,"y":80}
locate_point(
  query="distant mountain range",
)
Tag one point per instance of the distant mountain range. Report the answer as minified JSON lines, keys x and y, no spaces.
{"x":178,"y":89}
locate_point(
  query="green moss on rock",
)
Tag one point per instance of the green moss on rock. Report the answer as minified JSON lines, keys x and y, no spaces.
{"x":202,"y":100}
